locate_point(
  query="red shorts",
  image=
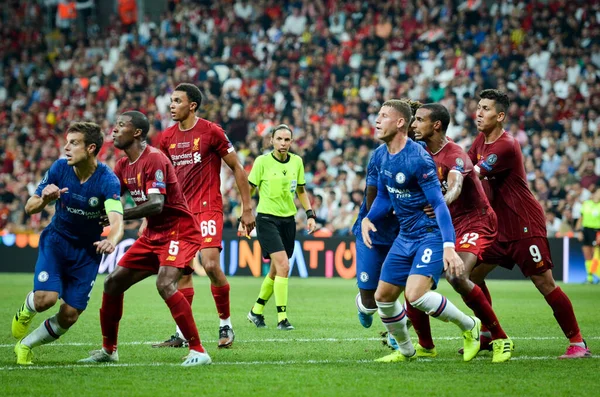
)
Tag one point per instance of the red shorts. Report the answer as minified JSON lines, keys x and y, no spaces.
{"x":532,"y":255}
{"x":145,"y":254}
{"x":211,"y":229}
{"x":476,"y":236}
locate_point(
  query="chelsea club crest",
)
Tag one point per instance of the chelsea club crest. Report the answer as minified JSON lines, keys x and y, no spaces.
{"x":400,"y":178}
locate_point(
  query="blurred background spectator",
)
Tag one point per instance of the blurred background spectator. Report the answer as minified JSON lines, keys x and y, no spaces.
{"x":324,"y":67}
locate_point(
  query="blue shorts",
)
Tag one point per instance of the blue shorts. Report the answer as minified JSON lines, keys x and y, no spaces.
{"x":423,"y":256}
{"x":67,"y":268}
{"x":368,"y":264}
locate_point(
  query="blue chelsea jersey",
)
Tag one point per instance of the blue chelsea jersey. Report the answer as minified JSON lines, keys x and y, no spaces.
{"x":387,"y":228}
{"x":78,"y":211}
{"x":404,"y":177}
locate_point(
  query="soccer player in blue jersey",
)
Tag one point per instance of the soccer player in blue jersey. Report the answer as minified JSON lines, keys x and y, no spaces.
{"x":70,"y":247}
{"x":424,"y":247}
{"x":370,"y":260}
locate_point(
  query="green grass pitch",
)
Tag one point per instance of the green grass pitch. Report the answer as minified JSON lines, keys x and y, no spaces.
{"x":328,"y":354}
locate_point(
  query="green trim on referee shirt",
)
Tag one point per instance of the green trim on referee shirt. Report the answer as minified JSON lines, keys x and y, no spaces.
{"x":277,"y":182}
{"x":591,"y":214}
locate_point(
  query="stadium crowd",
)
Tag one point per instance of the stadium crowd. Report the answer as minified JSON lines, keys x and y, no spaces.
{"x":324,"y":67}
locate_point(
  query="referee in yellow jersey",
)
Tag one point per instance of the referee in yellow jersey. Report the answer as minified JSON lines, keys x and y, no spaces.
{"x":278,"y":176}
{"x":589,"y":225}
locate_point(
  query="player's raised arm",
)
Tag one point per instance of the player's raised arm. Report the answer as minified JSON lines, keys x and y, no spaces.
{"x":46,"y":192}
{"x":50,"y":193}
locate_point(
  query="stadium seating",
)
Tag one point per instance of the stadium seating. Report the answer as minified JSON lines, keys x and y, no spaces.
{"x":323,"y":67}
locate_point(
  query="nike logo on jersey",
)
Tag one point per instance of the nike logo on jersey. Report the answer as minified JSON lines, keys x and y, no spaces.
{"x":421,"y":266}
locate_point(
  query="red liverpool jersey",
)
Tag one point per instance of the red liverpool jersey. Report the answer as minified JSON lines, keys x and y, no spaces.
{"x":500,"y":162}
{"x":196,"y":154}
{"x":472,"y":204}
{"x":153,"y":173}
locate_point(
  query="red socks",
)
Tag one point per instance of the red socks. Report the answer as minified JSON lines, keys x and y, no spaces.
{"x":188,"y":293}
{"x":182,"y":314}
{"x":486,"y":292}
{"x":420,"y":322}
{"x":478,"y":302}
{"x":221,"y":296}
{"x":110,"y":315}
{"x":564,"y":314}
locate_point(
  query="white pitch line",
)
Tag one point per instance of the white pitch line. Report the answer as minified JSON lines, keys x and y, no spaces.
{"x":289,"y":362}
{"x":292,"y":340}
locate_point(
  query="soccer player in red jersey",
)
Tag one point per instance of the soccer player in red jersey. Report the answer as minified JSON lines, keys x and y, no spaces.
{"x":474,"y":221}
{"x":195,"y":147}
{"x":167,"y":245}
{"x":521,"y":222}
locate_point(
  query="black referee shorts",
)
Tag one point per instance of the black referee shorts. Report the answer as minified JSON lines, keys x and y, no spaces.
{"x":589,"y":236}
{"x":276,"y":233}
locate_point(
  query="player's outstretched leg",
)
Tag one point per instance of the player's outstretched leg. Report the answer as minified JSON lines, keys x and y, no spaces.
{"x":24,"y":316}
{"x":440,"y":307}
{"x":564,"y":314}
{"x":266,"y":291}
{"x":365,"y":314}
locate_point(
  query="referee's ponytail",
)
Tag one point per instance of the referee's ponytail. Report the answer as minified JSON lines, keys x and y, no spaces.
{"x":281,"y":127}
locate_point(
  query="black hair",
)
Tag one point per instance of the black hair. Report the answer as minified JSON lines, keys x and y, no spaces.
{"x":414,"y":105}
{"x":438,"y":113}
{"x":499,"y":97}
{"x":139,"y":121}
{"x":92,"y":134}
{"x":193,"y":93}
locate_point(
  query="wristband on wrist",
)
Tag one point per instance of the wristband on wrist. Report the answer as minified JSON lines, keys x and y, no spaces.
{"x":448,"y":245}
{"x":310,"y":214}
